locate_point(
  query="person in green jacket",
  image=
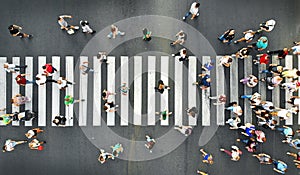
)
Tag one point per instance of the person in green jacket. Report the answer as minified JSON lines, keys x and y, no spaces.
{"x":6,"y":118}
{"x":69,"y":100}
{"x":164,"y":114}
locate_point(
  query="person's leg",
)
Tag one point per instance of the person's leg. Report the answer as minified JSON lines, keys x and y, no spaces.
{"x":30,"y":82}
{"x":51,"y":81}
{"x":110,"y":35}
{"x":121,"y":33}
{"x":246,"y":96}
{"x":186,"y":15}
{"x":221,"y":38}
{"x":68,"y":82}
{"x":227,"y":152}
{"x":18,"y":66}
{"x":244,"y":80}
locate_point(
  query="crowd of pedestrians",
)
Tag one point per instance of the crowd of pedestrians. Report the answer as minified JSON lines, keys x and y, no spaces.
{"x":268,"y":115}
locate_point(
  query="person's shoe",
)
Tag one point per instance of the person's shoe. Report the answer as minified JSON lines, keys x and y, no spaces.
{"x":122,"y":33}
{"x":238,"y":140}
{"x":221,"y":149}
{"x":30,"y":36}
{"x":76,"y":27}
{"x":235,"y":42}
{"x":201,"y":149}
{"x":173,"y":55}
{"x":288,"y":153}
{"x":82,"y":100}
{"x":195,"y":83}
{"x":108,"y":36}
{"x":116,"y":106}
{"x":183,"y":18}
{"x":171,"y":44}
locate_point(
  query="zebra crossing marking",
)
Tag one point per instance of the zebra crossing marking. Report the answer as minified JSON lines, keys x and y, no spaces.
{"x":110,"y":121}
{"x":3,"y":86}
{"x":124,"y":98}
{"x":276,"y":91}
{"x":83,"y":88}
{"x":298,"y":89}
{"x":247,"y":90}
{"x":41,"y":95}
{"x":16,"y":89}
{"x":164,"y":76}
{"x":205,"y":100}
{"x":55,"y":90}
{"x":220,"y":79}
{"x":97,"y":93}
{"x":151,"y":91}
{"x":28,"y":89}
{"x":178,"y":93}
{"x":288,"y":64}
{"x":192,"y":89}
{"x":137,"y":120}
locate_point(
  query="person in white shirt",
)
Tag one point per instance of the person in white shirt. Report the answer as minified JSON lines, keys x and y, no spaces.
{"x":183,"y":55}
{"x":194,"y":11}
{"x":64,"y":24}
{"x":10,"y":145}
{"x":12,"y":68}
{"x":63,"y":83}
{"x":86,"y":28}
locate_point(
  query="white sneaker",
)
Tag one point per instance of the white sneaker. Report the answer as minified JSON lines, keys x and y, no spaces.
{"x":122,"y":33}
{"x":108,"y":36}
{"x":173,"y":55}
{"x":76,"y":27}
{"x":183,"y":18}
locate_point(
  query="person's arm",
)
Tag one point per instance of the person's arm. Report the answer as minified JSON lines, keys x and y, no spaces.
{"x":278,"y":171}
{"x":16,"y":26}
{"x":65,"y":16}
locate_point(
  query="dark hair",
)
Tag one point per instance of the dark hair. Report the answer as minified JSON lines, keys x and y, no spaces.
{"x":58,"y":18}
{"x":44,"y":67}
{"x":12,"y":100}
{"x":197,"y":5}
{"x":3,"y":149}
{"x":298,"y":72}
{"x":184,"y":51}
{"x":10,"y":27}
{"x":83,"y":23}
{"x":103,"y":94}
{"x":271,"y":107}
{"x":105,"y":108}
{"x":233,"y":103}
{"x":229,"y":59}
{"x":239,"y":125}
{"x":1,"y":118}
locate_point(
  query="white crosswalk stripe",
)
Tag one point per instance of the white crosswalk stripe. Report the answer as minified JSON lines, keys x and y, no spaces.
{"x":16,"y":88}
{"x":28,"y":89}
{"x":179,"y":116}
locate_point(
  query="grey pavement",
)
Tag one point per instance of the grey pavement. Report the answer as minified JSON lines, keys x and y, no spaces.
{"x":68,"y":150}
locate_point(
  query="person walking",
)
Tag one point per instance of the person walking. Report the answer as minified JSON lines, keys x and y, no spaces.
{"x":181,"y":37}
{"x":114,"y":31}
{"x":194,"y":11}
{"x":221,"y":99}
{"x":49,"y":70}
{"x":10,"y":145}
{"x":226,"y":60}
{"x":110,"y":106}
{"x":185,"y":130}
{"x":182,"y":54}
{"x":234,"y":153}
{"x":124,"y":89}
{"x":243,"y":53}
{"x":63,"y":83}
{"x":59,"y":120}
{"x":69,"y":100}
{"x":15,"y":30}
{"x":117,"y":149}
{"x":102,"y":57}
{"x":85,"y":69}
{"x":263,"y":158}
{"x":280,"y":166}
{"x":104,"y":156}
{"x":251,"y":81}
{"x":35,"y":144}
{"x":164,"y":114}
{"x":192,"y":112}
{"x":267,"y":26}
{"x":12,"y":68}
{"x":150,"y":142}
{"x":207,"y":158}
{"x":282,"y":53}
{"x":262,"y":59}
{"x":64,"y":24}
{"x":41,"y":79}
{"x":146,"y":35}
{"x":6,"y":119}
{"x":204,"y":82}
{"x":106,"y":94}
{"x":227,"y":36}
{"x":261,"y":44}
{"x":161,"y":87}
{"x":19,"y":100}
{"x":85,"y":27}
{"x":235,"y":108}
{"x":32,"y":133}
{"x":248,"y":37}
{"x":22,"y":81}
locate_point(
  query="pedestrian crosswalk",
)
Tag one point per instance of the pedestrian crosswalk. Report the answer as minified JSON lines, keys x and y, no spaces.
{"x":132,"y":107}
